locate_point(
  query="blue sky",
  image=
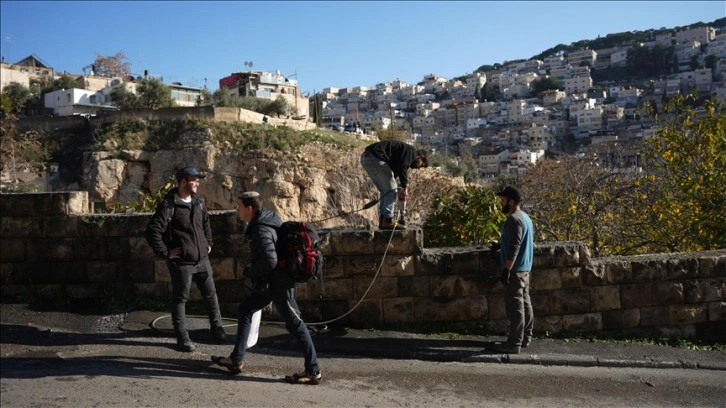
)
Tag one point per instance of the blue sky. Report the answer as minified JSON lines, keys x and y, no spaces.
{"x":321,"y":44}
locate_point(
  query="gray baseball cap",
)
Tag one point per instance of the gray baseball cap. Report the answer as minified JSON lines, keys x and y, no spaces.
{"x":191,"y":171}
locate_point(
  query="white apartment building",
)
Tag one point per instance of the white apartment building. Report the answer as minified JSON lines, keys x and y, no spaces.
{"x":75,"y":101}
{"x":698,"y":34}
{"x":717,"y":47}
{"x":425,"y":97}
{"x":686,"y":51}
{"x":399,"y":85}
{"x":577,"y":58}
{"x":560,"y":73}
{"x":525,"y":78}
{"x":590,"y":119}
{"x":552,"y":97}
{"x":516,"y":91}
{"x":384,"y":88}
{"x":525,"y":158}
{"x":537,"y":134}
{"x":630,"y":92}
{"x":506,"y":79}
{"x":185,"y":95}
{"x":515,"y":110}
{"x":619,"y":58}
{"x":433,"y":83}
{"x":475,"y":123}
{"x":476,"y":79}
{"x":665,"y":39}
{"x":580,"y":105}
{"x":489,"y":158}
{"x":583,"y":71}
{"x":578,"y":85}
{"x":700,"y":80}
{"x":423,"y":121}
{"x":556,"y":61}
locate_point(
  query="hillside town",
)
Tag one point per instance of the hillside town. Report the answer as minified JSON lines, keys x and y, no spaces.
{"x":496,"y":116}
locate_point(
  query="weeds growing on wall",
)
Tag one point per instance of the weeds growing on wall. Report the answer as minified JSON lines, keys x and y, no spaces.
{"x":154,"y":135}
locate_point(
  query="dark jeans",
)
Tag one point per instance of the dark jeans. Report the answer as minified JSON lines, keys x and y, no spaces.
{"x":284,"y":301}
{"x":182,"y":276}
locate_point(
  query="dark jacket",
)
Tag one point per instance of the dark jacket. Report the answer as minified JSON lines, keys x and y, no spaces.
{"x":399,"y":156}
{"x":261,"y":233}
{"x":178,"y":224}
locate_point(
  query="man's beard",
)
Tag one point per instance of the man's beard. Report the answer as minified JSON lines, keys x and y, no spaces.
{"x":505,"y":208}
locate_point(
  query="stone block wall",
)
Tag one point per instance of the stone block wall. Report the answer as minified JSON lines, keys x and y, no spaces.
{"x":50,"y":244}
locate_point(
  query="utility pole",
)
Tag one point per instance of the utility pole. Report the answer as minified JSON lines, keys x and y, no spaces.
{"x":391,"y":125}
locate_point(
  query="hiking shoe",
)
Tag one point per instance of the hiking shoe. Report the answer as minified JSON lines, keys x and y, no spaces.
{"x":185,"y":345}
{"x":507,"y":348}
{"x":386,"y":223}
{"x":304,"y":378}
{"x":218,"y":334}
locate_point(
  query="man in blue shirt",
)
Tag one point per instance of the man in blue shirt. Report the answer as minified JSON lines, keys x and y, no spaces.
{"x":516,"y":253}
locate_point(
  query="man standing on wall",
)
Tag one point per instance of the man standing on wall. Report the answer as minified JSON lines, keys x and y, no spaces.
{"x":268,"y":284}
{"x":516,"y":255}
{"x":179,"y":231}
{"x":384,"y":162}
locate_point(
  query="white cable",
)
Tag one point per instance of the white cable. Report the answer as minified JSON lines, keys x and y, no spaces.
{"x":380,"y":266}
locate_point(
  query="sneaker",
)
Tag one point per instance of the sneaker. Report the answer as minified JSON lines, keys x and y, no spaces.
{"x":304,"y":378}
{"x":507,"y":348}
{"x":185,"y":345}
{"x":218,"y":334}
{"x":526,"y":343}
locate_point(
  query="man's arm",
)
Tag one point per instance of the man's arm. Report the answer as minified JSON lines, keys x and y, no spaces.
{"x":207,"y":225}
{"x":156,"y":228}
{"x":262,"y":248}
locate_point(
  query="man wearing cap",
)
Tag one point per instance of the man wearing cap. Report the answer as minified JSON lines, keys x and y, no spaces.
{"x":516,"y":254}
{"x":179,"y":231}
{"x":270,"y":284}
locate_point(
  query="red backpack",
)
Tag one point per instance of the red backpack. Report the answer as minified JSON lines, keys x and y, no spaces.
{"x":298,"y":251}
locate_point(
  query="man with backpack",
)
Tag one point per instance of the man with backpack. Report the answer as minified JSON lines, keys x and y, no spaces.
{"x":268,"y":283}
{"x":385,"y":162}
{"x":179,"y":231}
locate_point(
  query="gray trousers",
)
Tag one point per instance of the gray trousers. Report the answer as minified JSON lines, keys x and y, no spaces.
{"x":182,"y":276}
{"x":384,"y":180}
{"x":519,"y":309}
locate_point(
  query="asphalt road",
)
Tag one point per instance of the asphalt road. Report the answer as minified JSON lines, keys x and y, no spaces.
{"x":50,"y":359}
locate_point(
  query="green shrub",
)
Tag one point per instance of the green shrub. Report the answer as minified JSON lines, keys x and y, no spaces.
{"x":472,"y":216}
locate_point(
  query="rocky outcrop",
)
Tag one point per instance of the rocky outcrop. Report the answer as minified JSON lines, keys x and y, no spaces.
{"x":320,"y":183}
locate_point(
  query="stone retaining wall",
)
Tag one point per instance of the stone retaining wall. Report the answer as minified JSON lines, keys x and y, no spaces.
{"x":41,"y":123}
{"x":51,"y":245}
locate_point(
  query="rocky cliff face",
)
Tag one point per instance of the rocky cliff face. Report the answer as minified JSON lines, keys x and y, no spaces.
{"x":320,"y":183}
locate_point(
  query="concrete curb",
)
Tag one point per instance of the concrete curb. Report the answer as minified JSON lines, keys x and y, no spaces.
{"x":588,"y":361}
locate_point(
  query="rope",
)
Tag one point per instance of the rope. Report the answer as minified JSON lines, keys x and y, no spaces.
{"x":322,"y":323}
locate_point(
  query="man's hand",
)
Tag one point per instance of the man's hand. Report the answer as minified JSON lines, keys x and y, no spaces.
{"x":505,"y":277}
{"x":402,"y":194}
{"x":175,"y":253}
